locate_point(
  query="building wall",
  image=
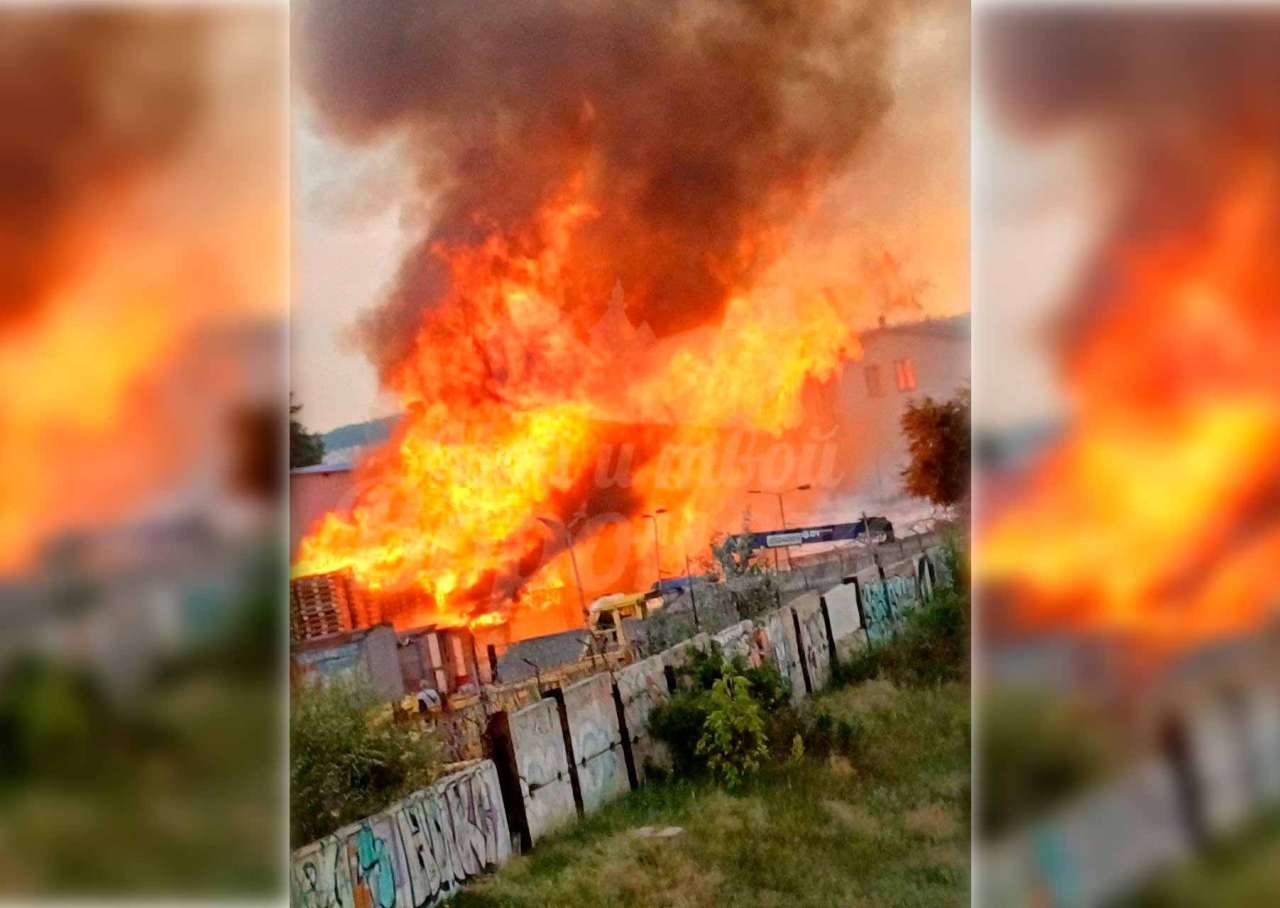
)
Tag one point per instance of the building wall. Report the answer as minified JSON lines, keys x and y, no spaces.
{"x":312,"y":493}
{"x":938,"y":352}
{"x":371,"y":655}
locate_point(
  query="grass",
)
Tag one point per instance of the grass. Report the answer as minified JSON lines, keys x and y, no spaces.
{"x":888,"y":826}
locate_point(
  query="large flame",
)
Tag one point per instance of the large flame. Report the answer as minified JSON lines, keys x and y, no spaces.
{"x":1159,"y":514}
{"x":515,"y":413}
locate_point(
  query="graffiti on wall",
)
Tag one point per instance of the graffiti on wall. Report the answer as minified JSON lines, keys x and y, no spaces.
{"x":901,"y":590}
{"x":813,"y":645}
{"x":785,"y":650}
{"x":1094,"y":848}
{"x":877,"y":610}
{"x":735,"y":641}
{"x":941,"y":569}
{"x":421,"y":850}
{"x":538,"y":744}
{"x":414,"y":854}
{"x":846,"y":626}
{"x":597,"y":741}
{"x":642,"y":687}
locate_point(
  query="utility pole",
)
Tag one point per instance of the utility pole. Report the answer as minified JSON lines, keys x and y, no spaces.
{"x":657,"y":546}
{"x":555,"y":524}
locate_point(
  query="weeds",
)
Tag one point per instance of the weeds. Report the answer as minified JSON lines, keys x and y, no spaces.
{"x":346,"y":763}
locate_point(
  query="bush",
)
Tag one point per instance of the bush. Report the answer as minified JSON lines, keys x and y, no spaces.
{"x":346,"y":762}
{"x":733,"y":734}
{"x":821,"y":736}
{"x":682,"y":722}
{"x":678,"y":723}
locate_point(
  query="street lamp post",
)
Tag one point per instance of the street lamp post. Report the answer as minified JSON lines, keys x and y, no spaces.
{"x":657,"y":546}
{"x":782,"y":514}
{"x":693,"y":598}
{"x":554,"y":524}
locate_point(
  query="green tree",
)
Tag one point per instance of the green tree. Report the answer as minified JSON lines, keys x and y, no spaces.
{"x":937,"y":434}
{"x":305,"y":448}
{"x":733,"y":738}
{"x":349,"y":759}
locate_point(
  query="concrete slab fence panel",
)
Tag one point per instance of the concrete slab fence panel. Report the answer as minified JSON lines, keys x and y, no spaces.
{"x":811,"y":627}
{"x":642,"y":688}
{"x":543,"y":767}
{"x":785,"y":650}
{"x":846,"y":622}
{"x":597,"y":741}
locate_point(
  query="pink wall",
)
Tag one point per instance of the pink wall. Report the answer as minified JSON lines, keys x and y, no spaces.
{"x":311,"y":494}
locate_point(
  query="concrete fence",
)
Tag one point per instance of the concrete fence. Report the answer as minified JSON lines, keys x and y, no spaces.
{"x":416,"y":852}
{"x":580,"y":747}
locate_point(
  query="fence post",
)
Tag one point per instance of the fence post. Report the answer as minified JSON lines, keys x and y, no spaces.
{"x":497,"y":744}
{"x":833,"y":659}
{"x":557,"y":694}
{"x":804,"y":662}
{"x":633,"y":777}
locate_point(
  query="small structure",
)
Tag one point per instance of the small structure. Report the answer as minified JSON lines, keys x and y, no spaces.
{"x":525,"y":660}
{"x":368,"y":655}
{"x":440,"y":659}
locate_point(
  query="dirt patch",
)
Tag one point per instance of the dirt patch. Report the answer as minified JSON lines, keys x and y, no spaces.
{"x":933,"y":821}
{"x":857,"y":819}
{"x":871,"y":696}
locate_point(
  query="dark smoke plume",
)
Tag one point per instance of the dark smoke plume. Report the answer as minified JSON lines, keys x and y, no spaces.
{"x":696,"y":128}
{"x":91,"y":98}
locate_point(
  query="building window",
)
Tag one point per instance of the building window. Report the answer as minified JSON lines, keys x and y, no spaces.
{"x":873,"y":381}
{"x":905,"y":370}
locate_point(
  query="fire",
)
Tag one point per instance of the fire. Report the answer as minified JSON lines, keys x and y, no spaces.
{"x":1158,"y":514}
{"x":627,"y":264}
{"x":511,"y":412}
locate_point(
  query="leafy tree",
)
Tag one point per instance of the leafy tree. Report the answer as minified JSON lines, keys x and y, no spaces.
{"x":937,"y":435}
{"x":733,"y":553}
{"x":346,"y":761}
{"x":305,"y":448}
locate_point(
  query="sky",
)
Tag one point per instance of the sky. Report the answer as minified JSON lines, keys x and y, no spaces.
{"x":905,"y":194}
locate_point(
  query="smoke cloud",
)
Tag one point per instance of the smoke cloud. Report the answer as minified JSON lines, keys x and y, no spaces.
{"x":695,"y":132}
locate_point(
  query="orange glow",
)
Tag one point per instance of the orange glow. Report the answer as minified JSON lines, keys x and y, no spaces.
{"x":1158,"y":514}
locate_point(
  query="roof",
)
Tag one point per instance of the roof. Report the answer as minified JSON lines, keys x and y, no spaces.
{"x":322,"y":468}
{"x":341,"y":638}
{"x":547,"y":652}
{"x":614,"y":601}
{"x":953,"y":327}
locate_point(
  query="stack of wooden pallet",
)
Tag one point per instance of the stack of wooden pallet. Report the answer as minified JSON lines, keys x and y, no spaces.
{"x":323,"y":604}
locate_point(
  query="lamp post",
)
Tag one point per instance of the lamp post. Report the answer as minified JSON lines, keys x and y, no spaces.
{"x":782,"y":514}
{"x":554,"y":524}
{"x":693,"y":598}
{"x":657,"y":547}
